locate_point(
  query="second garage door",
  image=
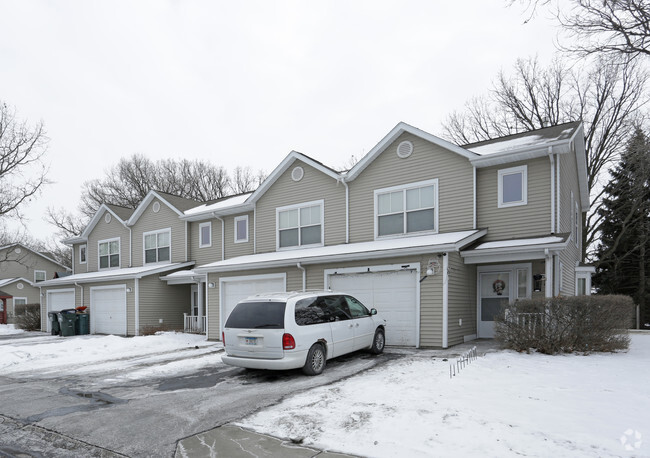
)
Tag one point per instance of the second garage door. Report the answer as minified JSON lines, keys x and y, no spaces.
{"x":108,"y":310}
{"x":393,"y":294}
{"x":234,"y":290}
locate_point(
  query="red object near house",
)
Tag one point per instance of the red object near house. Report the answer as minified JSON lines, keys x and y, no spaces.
{"x":3,"y":306}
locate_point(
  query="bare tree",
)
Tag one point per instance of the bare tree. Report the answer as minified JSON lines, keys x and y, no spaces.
{"x":606,"y":96}
{"x":245,"y":180}
{"x":22,"y":170}
{"x":601,"y":26}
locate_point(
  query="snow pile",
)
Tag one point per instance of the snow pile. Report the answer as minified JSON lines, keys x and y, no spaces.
{"x":87,"y":353}
{"x":9,"y":329}
{"x":503,"y":404}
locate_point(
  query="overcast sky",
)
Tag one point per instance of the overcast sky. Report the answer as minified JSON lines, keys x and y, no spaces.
{"x":244,"y":82}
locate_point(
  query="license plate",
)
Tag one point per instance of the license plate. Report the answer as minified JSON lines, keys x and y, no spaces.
{"x":250,"y":340}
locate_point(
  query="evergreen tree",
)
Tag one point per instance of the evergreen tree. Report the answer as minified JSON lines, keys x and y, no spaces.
{"x":624,"y":251}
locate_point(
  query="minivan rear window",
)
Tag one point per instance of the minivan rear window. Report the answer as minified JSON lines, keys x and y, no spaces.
{"x":257,"y":315}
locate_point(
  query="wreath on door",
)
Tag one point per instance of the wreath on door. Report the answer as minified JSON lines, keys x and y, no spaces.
{"x":498,"y":286}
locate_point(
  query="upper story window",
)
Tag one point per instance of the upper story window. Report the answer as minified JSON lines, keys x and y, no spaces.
{"x":39,"y":275}
{"x":300,"y":225}
{"x":407,"y":209}
{"x":513,"y":186}
{"x":241,"y":229}
{"x":109,"y":253}
{"x":205,"y":235}
{"x":157,"y":246}
{"x":82,"y":254}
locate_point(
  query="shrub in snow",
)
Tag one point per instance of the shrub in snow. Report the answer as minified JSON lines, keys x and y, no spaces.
{"x":30,"y":319}
{"x":566,"y":324}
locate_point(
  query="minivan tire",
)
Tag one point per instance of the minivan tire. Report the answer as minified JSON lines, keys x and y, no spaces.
{"x":378,"y":342}
{"x":316,"y":360}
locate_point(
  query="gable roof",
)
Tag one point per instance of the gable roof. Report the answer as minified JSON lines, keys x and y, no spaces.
{"x":124,"y":213}
{"x":42,"y":255}
{"x":224,"y":206}
{"x":9,"y":281}
{"x":398,"y":130}
{"x":175,"y":203}
{"x":83,"y":237}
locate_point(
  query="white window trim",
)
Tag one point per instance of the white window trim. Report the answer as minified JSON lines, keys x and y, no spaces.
{"x":523,"y":169}
{"x":119,"y":253}
{"x":237,"y":219}
{"x":18,"y":299}
{"x":40,"y":271}
{"x":298,"y":206}
{"x":159,"y":231}
{"x":404,"y":188}
{"x":85,"y":249}
{"x":201,"y":244}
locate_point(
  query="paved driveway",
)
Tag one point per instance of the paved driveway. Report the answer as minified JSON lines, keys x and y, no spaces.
{"x":99,"y":410}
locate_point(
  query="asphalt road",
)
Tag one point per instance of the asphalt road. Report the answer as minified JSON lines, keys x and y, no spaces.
{"x":94,"y":414}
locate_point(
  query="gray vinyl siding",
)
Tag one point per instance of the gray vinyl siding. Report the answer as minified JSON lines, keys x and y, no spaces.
{"x":161,"y":301}
{"x":242,"y":248}
{"x":79,"y":268}
{"x":293,"y":283}
{"x":314,"y":185}
{"x":428,"y":161}
{"x":528,"y":220}
{"x":462,"y":300}
{"x":31,"y":294}
{"x":571,"y":255}
{"x":105,"y":231}
{"x":24,"y":264}
{"x":150,"y":221}
{"x":209,"y":254}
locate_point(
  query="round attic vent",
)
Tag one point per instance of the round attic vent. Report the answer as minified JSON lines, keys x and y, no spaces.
{"x":18,"y":250}
{"x":107,"y":218}
{"x":156,"y":207}
{"x":20,"y":286}
{"x":405,"y":149}
{"x":297,"y":174}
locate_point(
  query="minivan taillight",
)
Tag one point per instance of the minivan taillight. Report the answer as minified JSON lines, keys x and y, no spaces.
{"x":223,"y":339}
{"x":288,"y":342}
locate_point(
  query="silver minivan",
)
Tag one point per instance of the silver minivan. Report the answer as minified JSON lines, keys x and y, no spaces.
{"x":299,"y":329}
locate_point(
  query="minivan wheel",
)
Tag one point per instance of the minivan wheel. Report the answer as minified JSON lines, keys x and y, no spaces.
{"x":316,"y":360}
{"x":378,"y":342}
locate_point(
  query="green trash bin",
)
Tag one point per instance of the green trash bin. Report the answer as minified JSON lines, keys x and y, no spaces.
{"x":82,"y":326}
{"x":67,"y":319}
{"x":54,"y":322}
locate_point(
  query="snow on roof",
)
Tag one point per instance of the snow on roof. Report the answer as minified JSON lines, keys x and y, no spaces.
{"x":106,"y":275}
{"x":533,"y":139}
{"x":378,"y":248}
{"x":8,"y":281}
{"x":219,"y":205}
{"x":520,"y":242}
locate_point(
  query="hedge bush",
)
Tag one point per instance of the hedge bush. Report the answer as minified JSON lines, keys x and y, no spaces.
{"x":30,"y":318}
{"x":566,"y":324}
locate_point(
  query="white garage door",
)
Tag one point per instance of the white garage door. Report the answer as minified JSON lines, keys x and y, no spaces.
{"x":393,"y":294}
{"x":235,"y":290}
{"x":108,"y":310}
{"x":59,"y":300}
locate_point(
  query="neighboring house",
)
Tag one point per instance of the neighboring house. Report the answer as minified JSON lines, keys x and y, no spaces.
{"x":434,"y":235}
{"x":21,"y":272}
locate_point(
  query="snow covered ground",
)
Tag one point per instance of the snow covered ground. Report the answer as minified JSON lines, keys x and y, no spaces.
{"x":502,"y":404}
{"x":128,"y":358}
{"x":8,"y":329}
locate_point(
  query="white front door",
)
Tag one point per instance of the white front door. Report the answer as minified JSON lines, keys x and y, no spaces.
{"x":499,"y":286}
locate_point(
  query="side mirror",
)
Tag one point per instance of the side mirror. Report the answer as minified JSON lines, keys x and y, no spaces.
{"x":373,"y":311}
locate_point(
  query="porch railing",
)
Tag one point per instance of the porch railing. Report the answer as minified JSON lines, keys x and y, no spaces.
{"x":533,"y":323}
{"x":195,"y":324}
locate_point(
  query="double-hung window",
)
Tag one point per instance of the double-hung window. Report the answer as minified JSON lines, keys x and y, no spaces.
{"x":300,"y":225}
{"x":513,"y":187}
{"x":241,"y":229}
{"x":407,"y":209}
{"x":39,"y":275}
{"x":157,"y":246}
{"x":109,"y":254}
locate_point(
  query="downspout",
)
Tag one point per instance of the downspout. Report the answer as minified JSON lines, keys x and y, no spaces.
{"x":223,"y":236}
{"x":474,"y":197}
{"x":347,"y":211}
{"x":136,"y":291}
{"x":550,"y":155}
{"x":304,"y":276}
{"x":207,"y":320}
{"x":445,"y":300}
{"x":557,"y":192}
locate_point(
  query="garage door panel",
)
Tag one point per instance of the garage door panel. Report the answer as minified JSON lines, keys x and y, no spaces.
{"x":235,"y":291}
{"x":57,"y":301}
{"x":393,"y":294}
{"x":108,"y":310}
